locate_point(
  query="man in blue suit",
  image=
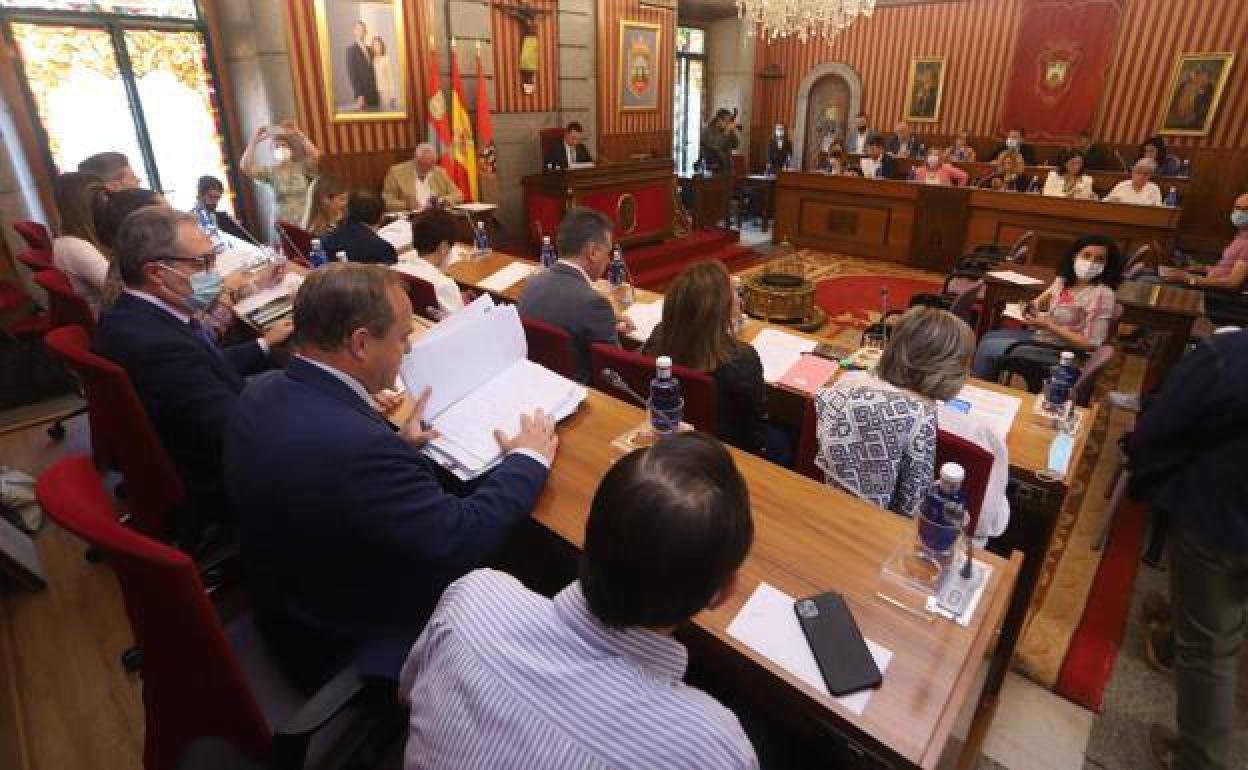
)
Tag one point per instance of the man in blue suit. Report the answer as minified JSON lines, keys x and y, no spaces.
{"x":348,"y":536}
{"x":357,"y":234}
{"x":188,"y":385}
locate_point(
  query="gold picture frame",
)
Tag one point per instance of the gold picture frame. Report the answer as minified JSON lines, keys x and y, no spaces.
{"x":1196,"y":86}
{"x":638,"y":79}
{"x":925,"y":89}
{"x":357,"y":90}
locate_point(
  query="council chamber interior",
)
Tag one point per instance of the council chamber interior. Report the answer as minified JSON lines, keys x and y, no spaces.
{"x":623,"y":383}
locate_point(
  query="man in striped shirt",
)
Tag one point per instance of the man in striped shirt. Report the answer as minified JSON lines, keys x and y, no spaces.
{"x":505,"y":678}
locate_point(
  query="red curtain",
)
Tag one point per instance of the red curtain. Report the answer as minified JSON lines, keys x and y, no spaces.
{"x":1061,"y":58}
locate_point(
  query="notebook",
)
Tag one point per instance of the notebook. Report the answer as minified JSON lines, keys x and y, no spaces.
{"x":471,"y":396}
{"x":645,"y":316}
{"x":779,"y":351}
{"x":810,"y":373}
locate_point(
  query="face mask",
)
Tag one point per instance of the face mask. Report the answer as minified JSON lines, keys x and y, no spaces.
{"x":206,"y":286}
{"x":1239,"y":218}
{"x":1086,"y":269}
{"x":282,"y":154}
{"x":933,"y":161}
{"x":1012,"y":143}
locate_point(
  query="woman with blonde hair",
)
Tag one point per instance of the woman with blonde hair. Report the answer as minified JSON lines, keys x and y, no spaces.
{"x":697,"y":331}
{"x":327,"y":204}
{"x":295,"y":165}
{"x":78,"y":251}
{"x":877,"y":431}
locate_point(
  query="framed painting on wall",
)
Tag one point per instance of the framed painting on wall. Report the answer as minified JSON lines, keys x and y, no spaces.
{"x":363,"y":59}
{"x":927,"y":85}
{"x":639,"y":66}
{"x":1194,"y":92}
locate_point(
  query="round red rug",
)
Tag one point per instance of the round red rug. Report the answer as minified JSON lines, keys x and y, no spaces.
{"x":855,"y":300}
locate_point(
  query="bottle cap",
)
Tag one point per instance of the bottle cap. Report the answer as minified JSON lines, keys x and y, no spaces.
{"x":545,"y":239}
{"x":316,"y":243}
{"x":1067,"y":357}
{"x":952,"y":473}
{"x":663,"y":364}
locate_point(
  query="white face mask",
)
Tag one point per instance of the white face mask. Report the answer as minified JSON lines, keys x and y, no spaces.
{"x":1012,"y":143}
{"x":933,"y":161}
{"x":281,"y":154}
{"x":779,"y":133}
{"x":1086,"y":269}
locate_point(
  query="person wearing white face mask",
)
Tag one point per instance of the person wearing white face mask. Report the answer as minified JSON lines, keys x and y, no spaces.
{"x":779,"y":150}
{"x":1075,"y":313}
{"x":187,"y":384}
{"x":936,"y":170}
{"x":1014,"y":143}
{"x":295,"y":165}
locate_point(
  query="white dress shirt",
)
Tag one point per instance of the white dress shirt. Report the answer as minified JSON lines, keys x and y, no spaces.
{"x":446,"y":290}
{"x":868,"y":166}
{"x":1124,"y":192}
{"x":858,"y":141}
{"x":1055,"y":186}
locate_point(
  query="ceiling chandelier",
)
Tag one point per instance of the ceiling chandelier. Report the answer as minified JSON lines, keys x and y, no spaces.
{"x":804,"y":19}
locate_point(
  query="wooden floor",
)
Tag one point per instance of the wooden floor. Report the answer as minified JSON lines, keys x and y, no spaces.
{"x":61,"y":680}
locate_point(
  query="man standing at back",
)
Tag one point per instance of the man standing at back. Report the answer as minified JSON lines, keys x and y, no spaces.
{"x":565,"y":296}
{"x":347,"y":533}
{"x":505,"y":678}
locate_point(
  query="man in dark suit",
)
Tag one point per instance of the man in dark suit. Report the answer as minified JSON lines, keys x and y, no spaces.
{"x":357,"y":234}
{"x":565,"y":296}
{"x":877,"y":163}
{"x":779,"y":150}
{"x":1014,"y":143}
{"x":570,"y":150}
{"x":187,"y":384}
{"x":360,"y":69}
{"x":347,"y":534}
{"x":903,"y":143}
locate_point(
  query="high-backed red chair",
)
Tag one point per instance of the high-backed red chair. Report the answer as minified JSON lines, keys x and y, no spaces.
{"x":424,"y":297}
{"x":549,"y":139}
{"x":637,"y":370}
{"x":296,"y":241}
{"x":194,"y":684}
{"x":36,"y":259}
{"x":122,"y":435}
{"x":65,"y":307}
{"x":35,"y":234}
{"x":549,"y":345}
{"x":808,"y":444}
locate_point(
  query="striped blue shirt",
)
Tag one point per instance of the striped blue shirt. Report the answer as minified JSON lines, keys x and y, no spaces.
{"x":505,"y":678}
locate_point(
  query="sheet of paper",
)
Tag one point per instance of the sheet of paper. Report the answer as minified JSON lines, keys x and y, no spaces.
{"x":1014,"y":310}
{"x":998,"y":410}
{"x":438,"y":361}
{"x":768,"y":625}
{"x":779,"y":351}
{"x":398,"y":234}
{"x":1013,"y":277}
{"x":645,"y":316}
{"x":478,"y":308}
{"x":289,"y":285}
{"x":239,"y":255}
{"x":507,"y":277}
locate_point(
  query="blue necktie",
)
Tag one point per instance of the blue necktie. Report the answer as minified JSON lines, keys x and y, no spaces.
{"x":205,"y":335}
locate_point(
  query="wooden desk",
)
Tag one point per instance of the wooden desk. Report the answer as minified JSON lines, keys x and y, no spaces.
{"x":709,"y":198}
{"x":470,"y":273}
{"x":998,"y":292}
{"x":765,"y":188}
{"x":1163,"y":307}
{"x":1102,"y":181}
{"x":638,"y":196}
{"x":809,"y":539}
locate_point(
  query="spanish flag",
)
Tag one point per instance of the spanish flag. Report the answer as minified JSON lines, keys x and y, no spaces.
{"x":463,"y":149}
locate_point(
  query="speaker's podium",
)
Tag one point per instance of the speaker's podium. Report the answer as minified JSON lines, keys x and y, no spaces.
{"x":636,"y":195}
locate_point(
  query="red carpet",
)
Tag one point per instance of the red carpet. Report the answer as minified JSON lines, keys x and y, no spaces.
{"x":654,"y":265}
{"x":1089,"y":662}
{"x":849,"y":299}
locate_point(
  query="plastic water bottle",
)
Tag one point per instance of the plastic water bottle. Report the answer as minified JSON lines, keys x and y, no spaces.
{"x":1186,"y":170}
{"x":548,"y":257}
{"x":944,"y":490}
{"x":666,"y":404}
{"x":1172,"y":198}
{"x":341,"y":256}
{"x":941,"y":514}
{"x":316,"y":255}
{"x":208,"y":223}
{"x":738,"y":287}
{"x":1058,"y":389}
{"x":1034,"y":187}
{"x":769,"y":171}
{"x":617,"y":276}
{"x":481,"y":241}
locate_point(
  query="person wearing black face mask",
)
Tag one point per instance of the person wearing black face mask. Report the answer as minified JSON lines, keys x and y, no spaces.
{"x":859,"y":134}
{"x":188,"y":385}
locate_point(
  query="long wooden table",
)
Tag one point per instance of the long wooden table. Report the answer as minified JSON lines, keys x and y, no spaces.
{"x":930,"y":226}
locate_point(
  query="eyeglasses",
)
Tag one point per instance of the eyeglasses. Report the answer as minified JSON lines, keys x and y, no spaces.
{"x":206,"y":261}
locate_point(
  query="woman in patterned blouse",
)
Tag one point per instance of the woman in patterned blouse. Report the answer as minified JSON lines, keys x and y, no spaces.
{"x":877,"y":431}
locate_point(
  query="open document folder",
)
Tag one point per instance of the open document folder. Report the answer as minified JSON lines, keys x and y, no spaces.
{"x":475,"y":365}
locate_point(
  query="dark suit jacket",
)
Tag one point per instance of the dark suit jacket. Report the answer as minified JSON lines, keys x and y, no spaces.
{"x":778,"y":155}
{"x":889,"y":164}
{"x":347,"y":535}
{"x":912,"y":147}
{"x":560,"y":296}
{"x":188,"y":388}
{"x":558,"y":157}
{"x":1026,"y":150}
{"x":363,"y":78}
{"x":361,"y":243}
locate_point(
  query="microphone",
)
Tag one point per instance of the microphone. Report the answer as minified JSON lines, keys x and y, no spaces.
{"x":1123,"y":162}
{"x":614,"y":379}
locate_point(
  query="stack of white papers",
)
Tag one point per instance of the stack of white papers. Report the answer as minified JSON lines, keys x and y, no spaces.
{"x":780,"y":351}
{"x":240,"y":255}
{"x":996,"y":410}
{"x":398,"y":234}
{"x":645,"y":316}
{"x":507,"y":277}
{"x":472,"y":395}
{"x":1016,"y":278}
{"x":266,"y":306}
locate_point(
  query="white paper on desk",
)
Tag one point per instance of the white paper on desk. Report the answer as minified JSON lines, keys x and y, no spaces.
{"x":507,"y":277}
{"x":459,"y":252}
{"x":1013,"y":277}
{"x":779,"y":351}
{"x":768,"y":625}
{"x":289,"y":285}
{"x":645,"y":316}
{"x":1014,"y":310}
{"x":997,"y":410}
{"x":239,"y":255}
{"x":398,"y":234}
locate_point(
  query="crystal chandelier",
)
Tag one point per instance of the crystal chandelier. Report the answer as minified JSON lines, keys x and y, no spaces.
{"x":805,"y":19}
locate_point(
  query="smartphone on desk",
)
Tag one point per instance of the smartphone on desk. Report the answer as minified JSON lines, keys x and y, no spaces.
{"x":840,"y":651}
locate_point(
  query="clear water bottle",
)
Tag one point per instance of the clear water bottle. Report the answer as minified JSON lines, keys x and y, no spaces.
{"x":1186,"y":170}
{"x":666,"y":404}
{"x":480,"y":241}
{"x":769,"y":171}
{"x":548,"y":257}
{"x":618,"y":277}
{"x":277,"y":252}
{"x":941,"y":517}
{"x":316,"y":255}
{"x":945,"y":490}
{"x":1034,"y":187}
{"x":341,"y":256}
{"x":738,"y":316}
{"x":1057,"y":390}
{"x":1172,"y":198}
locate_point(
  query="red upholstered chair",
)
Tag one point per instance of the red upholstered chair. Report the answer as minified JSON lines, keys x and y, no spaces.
{"x":122,"y":435}
{"x":194,"y":683}
{"x":296,"y":241}
{"x":637,"y":370}
{"x":808,"y":444}
{"x":549,"y":138}
{"x":35,"y":234}
{"x":549,"y":346}
{"x":36,"y":259}
{"x":65,"y":307}
{"x":423,"y":296}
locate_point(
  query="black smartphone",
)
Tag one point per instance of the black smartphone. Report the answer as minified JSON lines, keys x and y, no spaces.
{"x":838,"y":646}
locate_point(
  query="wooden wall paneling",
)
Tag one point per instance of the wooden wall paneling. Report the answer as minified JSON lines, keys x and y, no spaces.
{"x":507,"y":36}
{"x":1218,"y":177}
{"x":623,"y":133}
{"x":619,"y":148}
{"x":363,"y":170}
